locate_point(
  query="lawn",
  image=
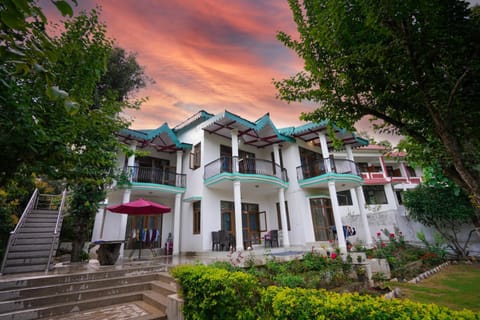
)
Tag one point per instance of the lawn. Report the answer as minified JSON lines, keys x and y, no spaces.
{"x":456,"y":287}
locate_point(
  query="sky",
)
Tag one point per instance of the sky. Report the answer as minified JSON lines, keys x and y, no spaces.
{"x":211,"y":55}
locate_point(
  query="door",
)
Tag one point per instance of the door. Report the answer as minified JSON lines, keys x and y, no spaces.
{"x":322,"y":218}
{"x":250,"y":224}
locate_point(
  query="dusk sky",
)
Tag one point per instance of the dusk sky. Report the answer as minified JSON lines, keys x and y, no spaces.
{"x":213,"y":55}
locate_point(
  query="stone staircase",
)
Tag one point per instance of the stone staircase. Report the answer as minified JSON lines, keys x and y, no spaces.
{"x":142,"y":291}
{"x":34,"y":241}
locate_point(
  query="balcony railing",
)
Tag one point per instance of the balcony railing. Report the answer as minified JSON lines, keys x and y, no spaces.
{"x":246,"y":166}
{"x":156,"y":176}
{"x":319,"y":167}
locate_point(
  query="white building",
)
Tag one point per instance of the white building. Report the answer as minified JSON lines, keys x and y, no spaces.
{"x":224,"y":172}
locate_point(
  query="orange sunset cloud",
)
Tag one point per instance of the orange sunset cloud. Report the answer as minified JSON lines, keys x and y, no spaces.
{"x":212,"y":55}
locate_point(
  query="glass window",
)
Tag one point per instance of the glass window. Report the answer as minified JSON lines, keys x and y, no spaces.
{"x":344,"y":198}
{"x":196,"y":217}
{"x":375,"y":195}
{"x":195,"y":157}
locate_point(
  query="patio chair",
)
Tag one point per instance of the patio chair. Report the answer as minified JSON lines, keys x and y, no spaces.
{"x":271,"y":238}
{"x":215,"y":241}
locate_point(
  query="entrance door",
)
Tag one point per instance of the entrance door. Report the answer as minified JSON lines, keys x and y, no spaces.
{"x":322,"y":218}
{"x":250,"y":221}
{"x":251,"y":224}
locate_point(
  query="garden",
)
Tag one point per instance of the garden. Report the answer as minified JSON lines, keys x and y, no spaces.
{"x":320,"y":285}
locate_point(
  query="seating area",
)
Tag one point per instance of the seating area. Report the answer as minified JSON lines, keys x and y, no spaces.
{"x":222,"y":241}
{"x":271,"y":239}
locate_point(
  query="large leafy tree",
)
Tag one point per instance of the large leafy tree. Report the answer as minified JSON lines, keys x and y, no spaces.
{"x":99,"y":79}
{"x":440,"y":204}
{"x":412,"y":64}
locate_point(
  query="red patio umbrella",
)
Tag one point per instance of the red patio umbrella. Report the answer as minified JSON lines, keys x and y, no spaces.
{"x":139,"y":207}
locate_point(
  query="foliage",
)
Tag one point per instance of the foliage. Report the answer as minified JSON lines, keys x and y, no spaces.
{"x":441,"y":205}
{"x":413,"y":65}
{"x":436,"y":251}
{"x":212,"y":293}
{"x":402,"y":257}
{"x":26,"y":57}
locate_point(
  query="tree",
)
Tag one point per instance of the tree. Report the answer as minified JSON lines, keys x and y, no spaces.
{"x":26,"y":56}
{"x":440,"y":204}
{"x":412,"y":64}
{"x":99,"y":79}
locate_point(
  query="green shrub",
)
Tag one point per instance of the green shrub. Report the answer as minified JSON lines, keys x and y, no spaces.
{"x":215,"y":293}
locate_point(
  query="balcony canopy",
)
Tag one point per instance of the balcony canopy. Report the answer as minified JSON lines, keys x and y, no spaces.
{"x":310,"y":131}
{"x":162,"y":139}
{"x":260,"y":133}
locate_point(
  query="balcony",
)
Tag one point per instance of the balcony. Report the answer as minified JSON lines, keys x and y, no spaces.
{"x":148,"y":175}
{"x":317,"y":173}
{"x":249,"y":169}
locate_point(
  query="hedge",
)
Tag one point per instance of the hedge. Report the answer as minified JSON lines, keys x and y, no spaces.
{"x":214,"y":293}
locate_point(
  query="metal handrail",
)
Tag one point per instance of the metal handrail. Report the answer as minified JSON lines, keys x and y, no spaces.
{"x":156,"y":175}
{"x":244,"y":166}
{"x":322,"y":166}
{"x":30,"y":205}
{"x":56,"y":232}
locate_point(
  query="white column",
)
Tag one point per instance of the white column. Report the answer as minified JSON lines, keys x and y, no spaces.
{"x":283,"y":217}
{"x":325,"y":153}
{"x":178,"y":208}
{"x":384,"y":167}
{"x":342,"y":244}
{"x":353,"y":167}
{"x":363,"y":214}
{"x":237,"y":196}
{"x":176,"y":224}
{"x":235,"y":150}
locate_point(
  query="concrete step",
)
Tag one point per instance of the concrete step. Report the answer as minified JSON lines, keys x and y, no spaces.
{"x":41,"y":240}
{"x":15,"y":254}
{"x":37,"y":212}
{"x":31,"y":247}
{"x":71,"y":307}
{"x":26,"y":261}
{"x":29,"y":229}
{"x":36,"y":235}
{"x":61,"y":288}
{"x":88,"y":295}
{"x":25,"y":268}
{"x":39,"y":224}
{"x":81,"y":277}
{"x":75,"y":296}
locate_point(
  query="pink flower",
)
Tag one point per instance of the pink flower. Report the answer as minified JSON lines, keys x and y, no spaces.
{"x":331,"y":241}
{"x":379,"y":234}
{"x":392,"y":235}
{"x":400,"y":233}
{"x":333,"y":255}
{"x":384,"y":244}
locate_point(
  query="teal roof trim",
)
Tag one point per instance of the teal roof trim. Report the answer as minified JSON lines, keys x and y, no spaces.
{"x":150,"y":134}
{"x":259,"y":124}
{"x":193,"y":121}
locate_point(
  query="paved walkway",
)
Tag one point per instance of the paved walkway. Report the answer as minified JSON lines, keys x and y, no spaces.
{"x":126,"y":311}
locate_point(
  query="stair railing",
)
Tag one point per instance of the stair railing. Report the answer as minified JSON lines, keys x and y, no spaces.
{"x":56,"y":232}
{"x":30,"y":205}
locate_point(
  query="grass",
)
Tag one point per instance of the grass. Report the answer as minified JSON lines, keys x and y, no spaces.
{"x":456,"y":287}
